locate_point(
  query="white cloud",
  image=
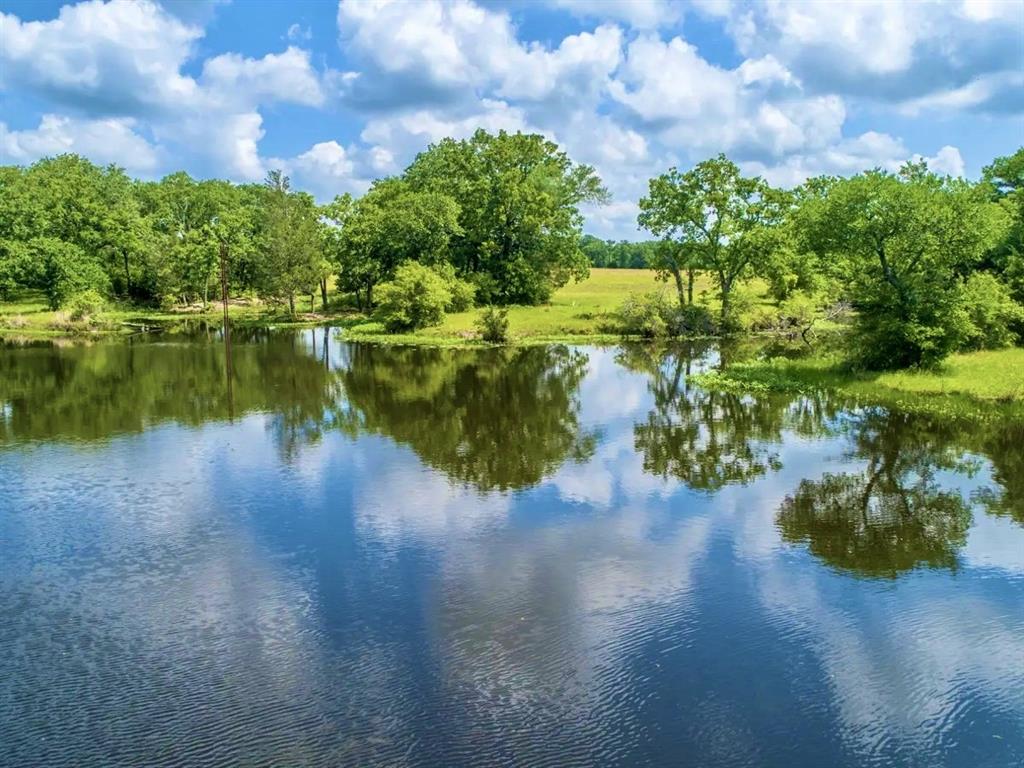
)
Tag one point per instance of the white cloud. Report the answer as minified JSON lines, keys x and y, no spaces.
{"x":123,"y":63}
{"x":283,"y":77}
{"x":882,"y":50}
{"x":121,"y":57}
{"x":449,"y":44}
{"x":641,"y":14}
{"x":849,"y":156}
{"x":756,"y":109}
{"x":947,"y":161}
{"x":109,"y":140}
{"x":298,"y":32}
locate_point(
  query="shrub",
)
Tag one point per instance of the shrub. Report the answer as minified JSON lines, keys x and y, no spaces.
{"x":416,"y":298}
{"x":84,"y":304}
{"x":493,"y":325}
{"x":991,"y":311}
{"x":463,"y":292}
{"x":694,"y":320}
{"x":650,"y":315}
{"x":655,"y":314}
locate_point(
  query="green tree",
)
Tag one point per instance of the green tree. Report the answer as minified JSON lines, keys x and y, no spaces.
{"x":714,"y":218}
{"x":903,"y":243}
{"x":291,"y":242}
{"x":518,"y":197}
{"x":1005,"y":180}
{"x":391,"y":224}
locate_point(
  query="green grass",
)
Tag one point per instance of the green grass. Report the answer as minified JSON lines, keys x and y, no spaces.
{"x":577,"y":311}
{"x":966,"y":384}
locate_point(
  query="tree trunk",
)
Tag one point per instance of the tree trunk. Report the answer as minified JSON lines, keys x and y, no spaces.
{"x":323,"y":291}
{"x":726,"y":287}
{"x":689,"y":285}
{"x":679,"y":286}
{"x":312,"y":301}
{"x":369,"y":297}
{"x":127,"y":276}
{"x":291,"y":303}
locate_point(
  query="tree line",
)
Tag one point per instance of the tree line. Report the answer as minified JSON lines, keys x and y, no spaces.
{"x":499,"y":211}
{"x":927,"y":264}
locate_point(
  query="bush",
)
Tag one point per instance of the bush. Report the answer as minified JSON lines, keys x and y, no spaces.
{"x":991,"y":311}
{"x":84,"y":304}
{"x":463,"y":292}
{"x":694,"y":320}
{"x":884,"y":340}
{"x":416,"y":298}
{"x":493,"y":325}
{"x":656,"y":314}
{"x":650,"y":315}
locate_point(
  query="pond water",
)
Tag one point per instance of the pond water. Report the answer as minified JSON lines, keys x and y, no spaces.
{"x":361,"y":555}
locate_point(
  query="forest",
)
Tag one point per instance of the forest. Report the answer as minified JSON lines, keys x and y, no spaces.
{"x":915,"y":266}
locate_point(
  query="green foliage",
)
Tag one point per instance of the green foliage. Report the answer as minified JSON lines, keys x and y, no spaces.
{"x":901,"y":240}
{"x":517,"y":197}
{"x":86,"y":304}
{"x":654,"y":315}
{"x":391,"y":224}
{"x":492,"y":325}
{"x":463,"y":292}
{"x":650,"y":315}
{"x":61,"y":269}
{"x":991,"y":311}
{"x":617,"y":255}
{"x":291,"y":242}
{"x":416,"y":298}
{"x":713,"y":218}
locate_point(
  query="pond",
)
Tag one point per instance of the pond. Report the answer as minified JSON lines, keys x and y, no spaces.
{"x":552,"y":555}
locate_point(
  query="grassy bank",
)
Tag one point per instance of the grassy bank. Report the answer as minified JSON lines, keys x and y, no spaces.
{"x":966,"y":384}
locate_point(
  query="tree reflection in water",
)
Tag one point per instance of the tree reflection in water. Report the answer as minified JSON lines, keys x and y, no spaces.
{"x":499,"y":419}
{"x":709,"y":439}
{"x":896,"y":514}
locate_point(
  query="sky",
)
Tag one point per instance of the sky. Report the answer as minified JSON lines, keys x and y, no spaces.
{"x":337,"y":94}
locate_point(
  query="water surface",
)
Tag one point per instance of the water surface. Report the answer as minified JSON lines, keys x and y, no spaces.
{"x":360,"y":555}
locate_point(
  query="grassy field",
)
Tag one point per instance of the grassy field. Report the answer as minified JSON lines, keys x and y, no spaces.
{"x":579,"y":310}
{"x":963,"y":381}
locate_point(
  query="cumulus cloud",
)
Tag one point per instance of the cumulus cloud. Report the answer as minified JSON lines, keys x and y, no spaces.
{"x":285,"y":77}
{"x":106,"y":140}
{"x":641,"y":14}
{"x":886,"y":51}
{"x":121,"y":63}
{"x":849,"y":156}
{"x":121,"y":57}
{"x":757,"y":109}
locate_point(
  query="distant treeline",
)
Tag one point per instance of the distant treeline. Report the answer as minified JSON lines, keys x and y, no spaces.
{"x":620,"y":254}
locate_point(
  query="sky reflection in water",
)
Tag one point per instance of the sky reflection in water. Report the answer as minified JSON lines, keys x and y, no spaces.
{"x":539,"y":556}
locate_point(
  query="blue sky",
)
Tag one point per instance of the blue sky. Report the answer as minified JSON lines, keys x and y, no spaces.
{"x":338,"y":94}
